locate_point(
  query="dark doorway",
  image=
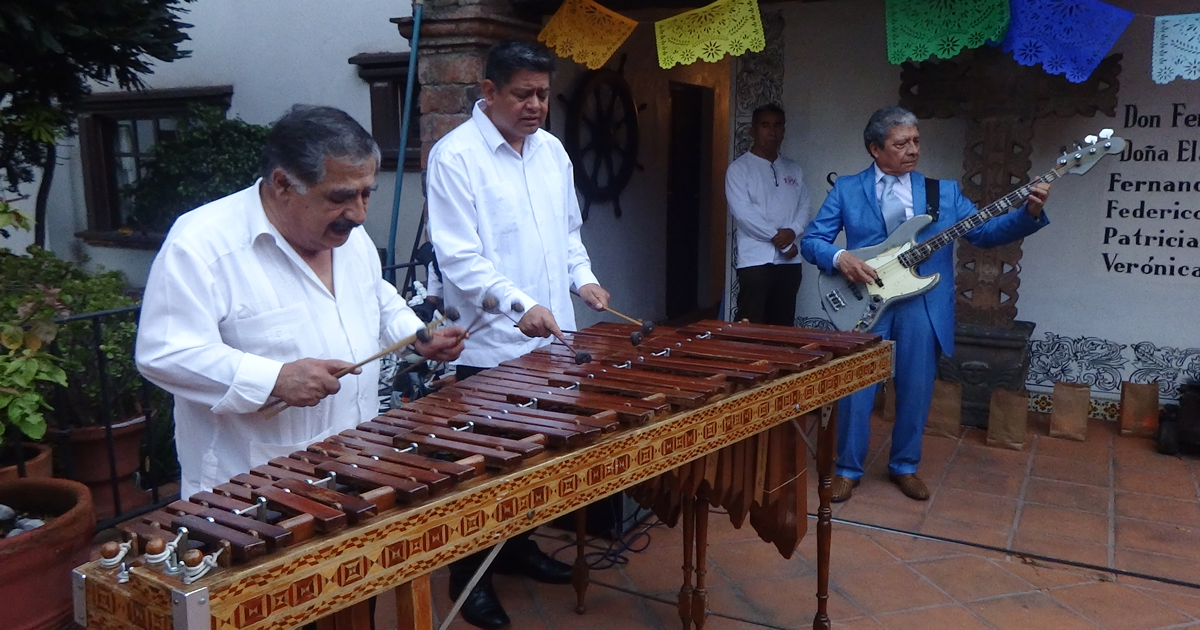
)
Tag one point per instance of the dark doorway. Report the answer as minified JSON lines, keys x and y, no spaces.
{"x":689,"y":195}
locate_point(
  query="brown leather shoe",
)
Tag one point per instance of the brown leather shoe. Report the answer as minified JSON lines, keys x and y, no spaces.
{"x":843,"y":488}
{"x":911,"y":486}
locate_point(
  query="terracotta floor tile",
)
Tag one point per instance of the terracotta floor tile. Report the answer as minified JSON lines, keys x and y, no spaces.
{"x":993,"y":458}
{"x":793,"y":601}
{"x":1045,"y":575}
{"x":1064,"y":523}
{"x":1094,"y":450}
{"x":965,"y":474}
{"x":1154,"y":482}
{"x":660,"y":570}
{"x":968,"y":578}
{"x":1031,"y":611}
{"x":1168,"y":566}
{"x":1131,"y":452}
{"x":1057,"y":547}
{"x":1162,"y":538}
{"x":1067,"y":495}
{"x":1118,"y":607}
{"x":606,"y":608}
{"x":1057,"y":468}
{"x":1188,"y":604}
{"x":724,"y":599}
{"x":941,"y":618}
{"x":1155,"y":508}
{"x":969,"y":532}
{"x":887,"y":588}
{"x":974,"y":437}
{"x":864,"y":510}
{"x":754,"y":560}
{"x":913,"y":548}
{"x":862,"y":623}
{"x":973,"y":507}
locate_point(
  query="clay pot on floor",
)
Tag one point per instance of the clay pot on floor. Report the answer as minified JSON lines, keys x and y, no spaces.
{"x":35,"y":566}
{"x":89,"y":455}
{"x":38,"y":463}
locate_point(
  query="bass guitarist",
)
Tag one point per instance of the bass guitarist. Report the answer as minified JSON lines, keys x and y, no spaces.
{"x":869,"y":206}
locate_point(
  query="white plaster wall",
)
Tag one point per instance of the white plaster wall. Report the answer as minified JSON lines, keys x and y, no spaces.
{"x":274,"y":53}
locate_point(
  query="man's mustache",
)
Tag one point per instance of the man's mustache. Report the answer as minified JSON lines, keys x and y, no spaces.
{"x":343,"y":226}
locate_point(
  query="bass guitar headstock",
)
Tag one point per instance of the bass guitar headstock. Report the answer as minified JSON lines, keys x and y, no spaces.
{"x":1083,"y":158}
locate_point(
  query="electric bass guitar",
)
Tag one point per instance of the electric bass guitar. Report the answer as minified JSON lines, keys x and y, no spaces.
{"x":857,"y":306}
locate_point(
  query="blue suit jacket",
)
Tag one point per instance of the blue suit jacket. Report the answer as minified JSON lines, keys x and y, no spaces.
{"x":852,"y":206}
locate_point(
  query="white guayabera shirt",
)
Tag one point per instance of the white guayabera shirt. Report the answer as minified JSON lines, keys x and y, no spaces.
{"x":504,"y":224}
{"x":765,"y":197}
{"x":227,"y":303}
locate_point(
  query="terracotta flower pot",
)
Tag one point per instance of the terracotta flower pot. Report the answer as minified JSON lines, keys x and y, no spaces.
{"x":35,"y":567}
{"x":89,"y":453}
{"x":38,"y":463}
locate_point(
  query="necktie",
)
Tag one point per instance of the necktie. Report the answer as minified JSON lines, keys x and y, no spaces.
{"x":890,"y":204}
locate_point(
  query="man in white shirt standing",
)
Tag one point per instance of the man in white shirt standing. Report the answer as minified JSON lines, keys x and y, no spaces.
{"x":770,"y":208}
{"x":504,"y":221}
{"x":265,"y":294}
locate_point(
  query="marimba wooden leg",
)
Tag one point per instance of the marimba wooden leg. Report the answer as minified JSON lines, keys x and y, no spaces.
{"x":580,"y":572}
{"x":685,"y":591}
{"x":700,"y":595}
{"x":826,"y":438}
{"x":414,"y":605}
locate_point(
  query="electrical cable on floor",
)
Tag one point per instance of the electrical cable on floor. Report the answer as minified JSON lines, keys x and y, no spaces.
{"x":1020,"y":554}
{"x":615,"y":552}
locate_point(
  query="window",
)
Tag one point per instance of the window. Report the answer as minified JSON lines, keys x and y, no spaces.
{"x":386,"y":73}
{"x":117,"y":132}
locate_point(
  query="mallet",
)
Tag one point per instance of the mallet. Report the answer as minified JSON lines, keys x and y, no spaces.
{"x":424,"y":335}
{"x":647,"y":326}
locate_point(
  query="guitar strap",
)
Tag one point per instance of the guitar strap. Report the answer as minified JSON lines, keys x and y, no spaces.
{"x":932,"y":197}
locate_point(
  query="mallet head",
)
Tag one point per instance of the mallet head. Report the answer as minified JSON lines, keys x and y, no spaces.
{"x":582,"y":356}
{"x":647,"y":327}
{"x":490,"y":304}
{"x":635,"y":337}
{"x":452,"y":314}
{"x":517,"y":307}
{"x":423,"y":335}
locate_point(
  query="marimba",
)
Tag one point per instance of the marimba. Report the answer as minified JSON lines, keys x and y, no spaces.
{"x":306,"y":536}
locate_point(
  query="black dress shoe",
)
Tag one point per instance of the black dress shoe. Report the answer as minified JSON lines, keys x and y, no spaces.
{"x":482,"y":608}
{"x":531,"y":561}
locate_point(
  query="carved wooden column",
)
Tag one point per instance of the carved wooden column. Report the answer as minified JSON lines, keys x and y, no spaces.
{"x":1001,"y":99}
{"x":455,"y":37}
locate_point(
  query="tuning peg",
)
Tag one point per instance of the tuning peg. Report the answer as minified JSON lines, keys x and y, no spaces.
{"x":1106,"y":133}
{"x":1090,"y":139}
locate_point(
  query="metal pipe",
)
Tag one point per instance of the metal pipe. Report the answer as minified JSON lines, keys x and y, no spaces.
{"x":406,"y":119}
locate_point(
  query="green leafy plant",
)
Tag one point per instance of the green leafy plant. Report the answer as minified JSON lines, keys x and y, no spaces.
{"x":26,"y":368}
{"x":79,"y":291}
{"x":209,"y":157}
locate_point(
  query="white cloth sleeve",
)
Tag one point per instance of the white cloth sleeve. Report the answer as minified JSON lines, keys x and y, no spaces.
{"x":750,"y":218}
{"x":179,"y":345}
{"x":579,"y":266}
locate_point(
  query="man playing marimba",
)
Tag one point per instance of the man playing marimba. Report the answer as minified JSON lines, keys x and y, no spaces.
{"x":504,"y":221}
{"x":266,"y":294}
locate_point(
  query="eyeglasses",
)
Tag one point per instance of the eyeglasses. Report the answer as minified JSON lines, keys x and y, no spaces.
{"x":774,"y":174}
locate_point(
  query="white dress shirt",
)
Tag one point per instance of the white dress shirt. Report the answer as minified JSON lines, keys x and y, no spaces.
{"x":504,"y":224}
{"x":903,"y":190}
{"x":227,"y":303}
{"x":765,"y":197}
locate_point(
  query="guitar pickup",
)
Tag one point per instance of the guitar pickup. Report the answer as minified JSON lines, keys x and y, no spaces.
{"x":835,"y":300}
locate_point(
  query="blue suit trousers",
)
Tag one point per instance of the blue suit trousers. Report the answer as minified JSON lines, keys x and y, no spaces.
{"x":907,"y":323}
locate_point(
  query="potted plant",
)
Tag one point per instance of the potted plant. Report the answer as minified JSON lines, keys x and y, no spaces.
{"x":26,"y":328}
{"x":101,"y":383}
{"x":35,"y":564}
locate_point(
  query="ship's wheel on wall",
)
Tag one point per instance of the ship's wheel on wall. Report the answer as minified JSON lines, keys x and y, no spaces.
{"x":602,"y":136}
